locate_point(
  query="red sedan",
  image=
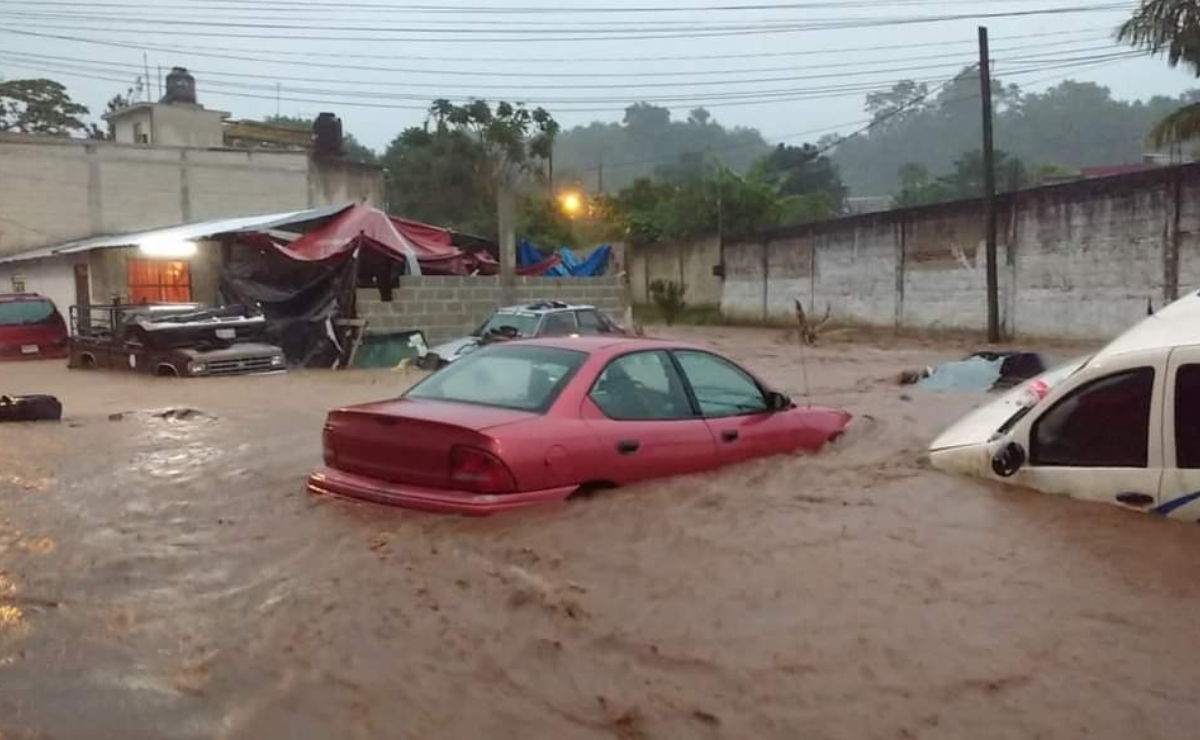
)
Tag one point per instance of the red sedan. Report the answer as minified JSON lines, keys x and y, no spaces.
{"x":527,"y":422}
{"x":31,"y":328}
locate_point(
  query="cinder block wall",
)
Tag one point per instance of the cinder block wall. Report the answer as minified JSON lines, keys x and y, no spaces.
{"x":449,"y":307}
{"x":1075,"y":261}
{"x":54,"y":190}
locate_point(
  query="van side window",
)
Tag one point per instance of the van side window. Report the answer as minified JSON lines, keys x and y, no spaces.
{"x":1104,"y":424}
{"x":1187,"y":417}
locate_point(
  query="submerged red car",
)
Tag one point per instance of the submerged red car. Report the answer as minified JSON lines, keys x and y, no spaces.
{"x":533,"y":421}
{"x":31,"y":328}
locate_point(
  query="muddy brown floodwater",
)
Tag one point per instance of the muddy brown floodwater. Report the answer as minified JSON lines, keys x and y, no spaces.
{"x":169,"y":579}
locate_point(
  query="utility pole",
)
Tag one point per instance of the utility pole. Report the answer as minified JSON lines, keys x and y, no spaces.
{"x":600,"y":177}
{"x":550,"y":167}
{"x":989,"y":187}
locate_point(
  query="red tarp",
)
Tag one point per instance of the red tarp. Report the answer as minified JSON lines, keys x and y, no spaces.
{"x":359,"y":225}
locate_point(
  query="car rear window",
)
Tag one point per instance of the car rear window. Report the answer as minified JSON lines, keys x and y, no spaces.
{"x":16,"y":313}
{"x":514,"y":377}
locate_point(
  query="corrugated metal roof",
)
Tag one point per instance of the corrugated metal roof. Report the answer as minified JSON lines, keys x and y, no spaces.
{"x":183,"y":232}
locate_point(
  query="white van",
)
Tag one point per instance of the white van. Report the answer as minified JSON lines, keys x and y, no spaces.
{"x":1121,"y":426}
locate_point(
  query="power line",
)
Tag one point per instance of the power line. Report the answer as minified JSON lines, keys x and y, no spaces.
{"x":461,"y":35}
{"x":388,"y":101}
{"x":292,"y":6}
{"x":213,"y":51}
{"x":622,"y":75}
{"x":629,"y":85}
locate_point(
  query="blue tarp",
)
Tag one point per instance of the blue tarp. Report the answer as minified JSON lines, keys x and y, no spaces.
{"x":568,"y":264}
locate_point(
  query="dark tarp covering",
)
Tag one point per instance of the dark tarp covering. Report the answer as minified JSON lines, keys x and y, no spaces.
{"x":300,"y":300}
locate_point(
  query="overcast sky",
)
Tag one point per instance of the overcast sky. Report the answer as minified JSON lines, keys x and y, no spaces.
{"x":798,"y":71}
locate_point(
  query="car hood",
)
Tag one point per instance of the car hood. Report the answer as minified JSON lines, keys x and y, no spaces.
{"x":451,"y":350}
{"x":979,"y":426}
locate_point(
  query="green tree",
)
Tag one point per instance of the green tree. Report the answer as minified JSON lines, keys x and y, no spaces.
{"x":513,"y":142}
{"x":355,"y":150}
{"x":964,"y":181}
{"x":1170,"y":27}
{"x":611,"y":156}
{"x":40,"y":106}
{"x":802,"y":170}
{"x":433,"y":176}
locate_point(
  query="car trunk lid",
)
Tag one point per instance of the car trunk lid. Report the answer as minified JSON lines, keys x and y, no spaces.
{"x":409,"y":440}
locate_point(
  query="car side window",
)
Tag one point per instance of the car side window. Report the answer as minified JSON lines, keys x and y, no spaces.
{"x":641,"y":386}
{"x":559,"y":324}
{"x":1187,"y":417}
{"x":590,"y":323}
{"x":1103,"y":424}
{"x":721,"y":388}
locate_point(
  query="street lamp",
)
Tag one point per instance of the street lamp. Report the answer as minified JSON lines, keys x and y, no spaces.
{"x":571,"y":203}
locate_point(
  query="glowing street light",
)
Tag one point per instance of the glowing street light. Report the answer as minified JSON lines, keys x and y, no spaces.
{"x":571,"y":203}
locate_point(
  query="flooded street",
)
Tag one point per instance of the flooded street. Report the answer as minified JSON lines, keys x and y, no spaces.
{"x":167,"y":577}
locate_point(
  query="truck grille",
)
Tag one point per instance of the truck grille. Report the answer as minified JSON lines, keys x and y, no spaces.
{"x":240,"y":367}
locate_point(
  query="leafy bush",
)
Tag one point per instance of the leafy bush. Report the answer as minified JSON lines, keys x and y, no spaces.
{"x":668,"y":297}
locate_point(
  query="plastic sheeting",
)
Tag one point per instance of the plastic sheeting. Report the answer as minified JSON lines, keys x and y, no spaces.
{"x":300,"y":300}
{"x":564,"y":263}
{"x":425,"y":249}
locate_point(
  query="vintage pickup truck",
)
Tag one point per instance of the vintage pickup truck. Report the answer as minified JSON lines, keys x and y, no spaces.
{"x":176,"y":340}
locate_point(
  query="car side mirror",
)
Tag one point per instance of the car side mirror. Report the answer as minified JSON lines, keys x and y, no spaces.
{"x":1008,"y":460}
{"x":778,"y":402}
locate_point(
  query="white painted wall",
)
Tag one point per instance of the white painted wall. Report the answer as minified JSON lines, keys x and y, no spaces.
{"x":1078,"y":260}
{"x":53,"y":278}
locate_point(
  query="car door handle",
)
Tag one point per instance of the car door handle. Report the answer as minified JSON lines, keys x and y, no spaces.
{"x":628,"y":446}
{"x":729,"y":435}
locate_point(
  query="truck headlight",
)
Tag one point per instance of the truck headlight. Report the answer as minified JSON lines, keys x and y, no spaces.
{"x":277,"y":361}
{"x":197,"y":368}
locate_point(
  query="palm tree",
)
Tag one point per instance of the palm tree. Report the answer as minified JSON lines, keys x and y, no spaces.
{"x":1171,"y":27}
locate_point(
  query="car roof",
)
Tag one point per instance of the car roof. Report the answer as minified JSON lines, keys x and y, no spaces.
{"x":545,"y":307}
{"x":1175,"y":325}
{"x":592,"y":343}
{"x":13,"y":297}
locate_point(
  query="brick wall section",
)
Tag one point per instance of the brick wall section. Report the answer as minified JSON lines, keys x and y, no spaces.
{"x":1076,"y":261}
{"x":450,"y":307}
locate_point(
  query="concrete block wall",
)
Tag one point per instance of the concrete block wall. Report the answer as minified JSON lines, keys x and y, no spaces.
{"x":449,"y":307}
{"x":57,"y":190}
{"x":1075,"y":261}
{"x":689,"y":262}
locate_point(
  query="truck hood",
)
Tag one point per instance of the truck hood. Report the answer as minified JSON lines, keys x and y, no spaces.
{"x":238,"y":351}
{"x":979,"y":426}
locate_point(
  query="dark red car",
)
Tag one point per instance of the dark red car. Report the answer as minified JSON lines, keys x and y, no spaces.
{"x":31,"y":328}
{"x":531,"y":421}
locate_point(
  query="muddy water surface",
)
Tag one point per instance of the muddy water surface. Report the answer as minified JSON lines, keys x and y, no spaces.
{"x":168,"y":578}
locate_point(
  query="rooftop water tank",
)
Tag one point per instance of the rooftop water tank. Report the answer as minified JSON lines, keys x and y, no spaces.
{"x":181,"y":87}
{"x":327,"y":135}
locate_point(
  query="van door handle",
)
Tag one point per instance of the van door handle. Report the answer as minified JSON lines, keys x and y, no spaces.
{"x":628,"y":446}
{"x":729,"y":435}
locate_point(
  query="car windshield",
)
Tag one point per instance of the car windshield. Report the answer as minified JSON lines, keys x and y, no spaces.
{"x":513,"y":377}
{"x":1029,"y":403}
{"x":525,"y":324}
{"x":17,"y":313}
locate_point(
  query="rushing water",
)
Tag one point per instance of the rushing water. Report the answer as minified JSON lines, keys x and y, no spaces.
{"x":167,"y":578}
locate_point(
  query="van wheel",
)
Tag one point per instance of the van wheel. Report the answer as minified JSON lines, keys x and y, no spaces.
{"x":166,"y":370}
{"x":87,"y":361}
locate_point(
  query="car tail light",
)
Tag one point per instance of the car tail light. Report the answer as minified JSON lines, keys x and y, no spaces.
{"x":479,"y":471}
